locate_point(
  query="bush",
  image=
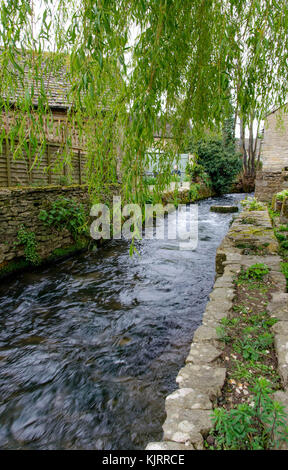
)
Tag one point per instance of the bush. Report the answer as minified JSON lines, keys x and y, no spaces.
{"x":65,"y":213}
{"x":221,"y":163}
{"x":194,"y":170}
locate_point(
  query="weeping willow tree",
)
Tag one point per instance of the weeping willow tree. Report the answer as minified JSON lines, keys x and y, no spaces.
{"x":133,"y":67}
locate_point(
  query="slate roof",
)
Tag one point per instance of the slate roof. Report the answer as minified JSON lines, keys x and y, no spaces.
{"x":55,"y":85}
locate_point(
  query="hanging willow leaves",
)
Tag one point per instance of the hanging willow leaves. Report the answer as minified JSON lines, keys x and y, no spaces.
{"x":133,"y":69}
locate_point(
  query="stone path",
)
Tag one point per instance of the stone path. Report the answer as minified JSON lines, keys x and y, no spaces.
{"x":188,"y":409}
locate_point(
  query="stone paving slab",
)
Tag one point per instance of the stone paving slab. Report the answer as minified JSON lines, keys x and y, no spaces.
{"x":281,"y":346}
{"x":282,"y":397}
{"x":222,"y":293}
{"x":187,"y":399}
{"x":215,"y":313}
{"x":278,"y":306}
{"x":206,"y":334}
{"x":281,"y":328}
{"x":279,"y":280}
{"x":168,"y":445}
{"x":203,"y":378}
{"x":203,"y":354}
{"x":214,"y":304}
{"x":187,"y":426}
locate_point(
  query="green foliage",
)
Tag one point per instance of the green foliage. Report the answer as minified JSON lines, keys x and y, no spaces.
{"x":28,"y":240}
{"x":254,"y":426}
{"x":194,"y":191}
{"x":248,"y":221}
{"x":284,"y":268}
{"x":221,"y":164}
{"x":282,"y":195}
{"x":175,"y":179}
{"x":64,"y":181}
{"x":255,"y":272}
{"x":273,"y":214}
{"x":65,"y":213}
{"x":150,"y":180}
{"x":281,"y":235}
{"x":250,"y":371}
{"x":251,"y":348}
{"x":283,"y":228}
{"x":194,"y":170}
{"x":223,"y":335}
{"x":227,"y":49}
{"x":252,"y":204}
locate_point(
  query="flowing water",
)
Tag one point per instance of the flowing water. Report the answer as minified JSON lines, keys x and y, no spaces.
{"x":90,"y":347}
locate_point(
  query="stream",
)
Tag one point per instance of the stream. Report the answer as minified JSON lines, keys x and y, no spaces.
{"x":91,"y":346}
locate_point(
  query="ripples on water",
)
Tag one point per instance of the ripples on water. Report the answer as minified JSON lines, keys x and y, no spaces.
{"x":90,"y":347}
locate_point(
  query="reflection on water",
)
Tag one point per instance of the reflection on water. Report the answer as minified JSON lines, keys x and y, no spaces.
{"x":90,"y":347}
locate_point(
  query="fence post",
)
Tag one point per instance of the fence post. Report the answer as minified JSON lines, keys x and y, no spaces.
{"x":29,"y":163}
{"x":8,"y":163}
{"x":49,"y":164}
{"x":80,"y":169}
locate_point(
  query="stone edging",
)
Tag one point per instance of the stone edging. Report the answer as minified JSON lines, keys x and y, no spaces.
{"x":189,"y":408}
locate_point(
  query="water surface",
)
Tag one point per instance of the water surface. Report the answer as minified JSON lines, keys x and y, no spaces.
{"x":91,"y":346}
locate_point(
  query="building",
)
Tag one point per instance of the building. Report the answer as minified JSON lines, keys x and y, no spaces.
{"x":273,"y":176}
{"x":58,"y":128}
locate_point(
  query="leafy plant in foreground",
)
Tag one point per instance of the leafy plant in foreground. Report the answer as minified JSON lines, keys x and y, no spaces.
{"x":255,"y":272}
{"x":255,"y":426}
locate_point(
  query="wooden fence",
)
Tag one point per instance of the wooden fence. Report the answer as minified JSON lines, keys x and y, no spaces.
{"x":23,"y":172}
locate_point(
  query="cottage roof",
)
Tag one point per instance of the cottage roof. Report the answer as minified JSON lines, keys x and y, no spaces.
{"x":49,"y":79}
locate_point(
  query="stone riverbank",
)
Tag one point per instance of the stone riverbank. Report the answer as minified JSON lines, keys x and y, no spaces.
{"x":250,"y":240}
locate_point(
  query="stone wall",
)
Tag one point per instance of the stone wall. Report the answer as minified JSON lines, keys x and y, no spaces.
{"x":274,"y":151}
{"x":22,"y":206}
{"x":269,"y":183}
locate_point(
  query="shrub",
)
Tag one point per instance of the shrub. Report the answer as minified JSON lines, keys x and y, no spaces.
{"x":65,"y":213}
{"x":194,"y":170}
{"x":221,"y":163}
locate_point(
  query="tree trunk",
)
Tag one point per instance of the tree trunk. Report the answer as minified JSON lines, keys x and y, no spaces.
{"x":242,"y":145}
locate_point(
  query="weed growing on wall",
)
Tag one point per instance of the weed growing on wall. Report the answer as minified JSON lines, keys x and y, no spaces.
{"x":252,"y":204}
{"x":65,"y":213}
{"x":28,"y":240}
